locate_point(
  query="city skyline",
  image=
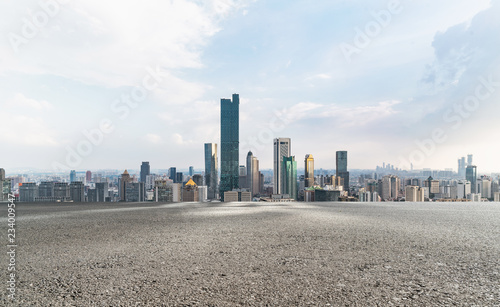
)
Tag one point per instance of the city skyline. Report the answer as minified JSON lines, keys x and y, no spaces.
{"x":360,"y":77}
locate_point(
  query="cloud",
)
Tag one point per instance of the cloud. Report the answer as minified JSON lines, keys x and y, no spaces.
{"x":153,"y":138}
{"x":27,"y":130}
{"x":23,"y":102}
{"x":109,"y":43}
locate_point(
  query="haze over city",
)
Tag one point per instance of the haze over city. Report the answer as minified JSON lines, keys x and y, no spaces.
{"x":375,"y":78}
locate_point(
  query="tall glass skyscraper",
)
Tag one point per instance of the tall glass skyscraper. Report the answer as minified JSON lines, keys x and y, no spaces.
{"x":471,"y":176}
{"x":145,"y":170}
{"x":211,"y":170}
{"x":290,"y":177}
{"x":229,"y":137}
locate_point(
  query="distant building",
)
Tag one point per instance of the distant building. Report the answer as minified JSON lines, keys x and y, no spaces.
{"x":72,"y":176}
{"x":198,"y":179}
{"x":122,"y":186}
{"x":179,"y":177}
{"x":229,"y":136}
{"x":289,"y":170}
{"x":163,"y":192}
{"x":327,"y":195}
{"x":496,"y":197}
{"x":88,"y":176}
{"x":61,"y":191}
{"x":471,"y":176}
{"x":282,"y":148}
{"x":134,"y":192}
{"x":414,"y":194}
{"x":173,"y":174}
{"x":102,"y":194}
{"x":145,"y":171}
{"x":309,"y":171}
{"x":46,"y":189}
{"x":190,"y":192}
{"x":77,"y":191}
{"x":191,"y":171}
{"x":341,"y":168}
{"x":28,"y":191}
{"x":211,"y":170}
{"x":253,"y":174}
{"x":237,"y":196}
{"x":388,"y":187}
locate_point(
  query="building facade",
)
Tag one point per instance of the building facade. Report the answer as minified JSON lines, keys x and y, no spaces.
{"x":282,"y":148}
{"x":309,"y":171}
{"x":229,"y":136}
{"x":211,"y":170}
{"x":290,"y":177}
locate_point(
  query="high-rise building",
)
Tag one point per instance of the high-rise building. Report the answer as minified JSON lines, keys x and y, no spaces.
{"x":145,"y":171}
{"x":88,"y":176}
{"x":179,"y":178}
{"x":309,"y":171}
{"x":28,"y":191}
{"x":173,"y":174}
{"x":134,"y":191}
{"x":2,"y":174}
{"x":77,"y":191}
{"x":72,"y":176}
{"x":341,"y":168}
{"x":470,"y":160}
{"x":290,"y":177}
{"x":253,"y":174}
{"x":122,"y":188}
{"x":101,"y":191}
{"x":46,"y":189}
{"x":211,"y":170}
{"x":198,"y":179}
{"x":282,"y":148}
{"x":3,"y":195}
{"x":191,"y":171}
{"x":471,"y":176}
{"x":61,"y":191}
{"x":229,"y":136}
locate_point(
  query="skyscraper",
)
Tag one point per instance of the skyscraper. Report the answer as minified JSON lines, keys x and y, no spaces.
{"x":88,"y":176}
{"x":309,"y":171}
{"x":341,"y":168}
{"x":173,"y":174}
{"x":211,"y":170}
{"x":72,"y":176}
{"x":229,"y":136}
{"x":191,"y":171}
{"x":469,"y":159}
{"x":471,"y":176}
{"x":253,"y":174}
{"x":125,"y":178}
{"x":282,"y":148}
{"x":290,"y":177}
{"x":145,"y":171}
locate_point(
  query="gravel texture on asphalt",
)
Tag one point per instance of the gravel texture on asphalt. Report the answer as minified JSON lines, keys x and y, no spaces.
{"x":255,"y":254}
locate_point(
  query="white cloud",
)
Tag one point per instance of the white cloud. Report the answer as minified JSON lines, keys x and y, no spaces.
{"x":26,"y":130}
{"x":153,"y":138}
{"x":23,"y":102}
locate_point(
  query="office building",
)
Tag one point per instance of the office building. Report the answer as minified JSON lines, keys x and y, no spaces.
{"x":173,"y":174}
{"x":46,"y":189}
{"x":145,"y":171}
{"x":471,"y":176}
{"x":290,"y":177}
{"x":253,"y":174}
{"x":179,"y":178}
{"x":190,"y":192}
{"x":61,"y":191}
{"x":163,"y":191}
{"x":211,"y":170}
{"x":102,"y":194}
{"x":341,"y":168}
{"x":191,"y":171}
{"x":77,"y":191}
{"x":198,"y":179}
{"x":122,"y":185}
{"x":309,"y":171}
{"x":282,"y":148}
{"x":88,"y":176}
{"x":229,"y":136}
{"x":496,"y":197}
{"x":28,"y":191}
{"x":134,"y":192}
{"x":72,"y":176}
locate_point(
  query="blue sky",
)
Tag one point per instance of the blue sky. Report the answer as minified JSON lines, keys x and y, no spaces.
{"x":385,"y":80}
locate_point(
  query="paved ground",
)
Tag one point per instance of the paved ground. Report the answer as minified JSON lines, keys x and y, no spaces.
{"x":216,"y":254}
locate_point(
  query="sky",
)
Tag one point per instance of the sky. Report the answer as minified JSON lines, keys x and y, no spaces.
{"x":109,"y":84}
